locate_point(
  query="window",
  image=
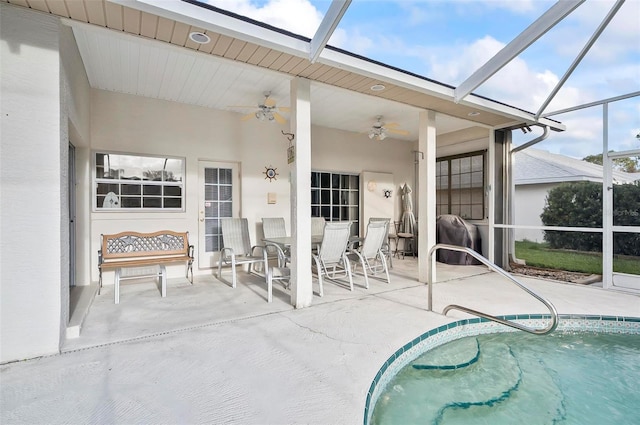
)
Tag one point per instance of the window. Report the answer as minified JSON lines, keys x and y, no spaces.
{"x":336,"y":197}
{"x":136,"y":182}
{"x":460,"y":185}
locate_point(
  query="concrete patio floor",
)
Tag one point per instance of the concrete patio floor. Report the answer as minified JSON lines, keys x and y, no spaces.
{"x":208,"y":353}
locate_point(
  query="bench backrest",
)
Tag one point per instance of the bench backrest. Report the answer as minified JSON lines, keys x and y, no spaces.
{"x":134,"y":244}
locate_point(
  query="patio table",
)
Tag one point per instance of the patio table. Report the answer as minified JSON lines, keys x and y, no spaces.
{"x":316,"y":240}
{"x":286,"y":241}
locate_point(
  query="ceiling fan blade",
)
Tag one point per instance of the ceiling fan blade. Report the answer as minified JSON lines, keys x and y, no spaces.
{"x":398,"y":131}
{"x":269,"y":102}
{"x":391,"y":125}
{"x":248,"y":117}
{"x":283,"y":109}
{"x":279,"y":118}
{"x":242,"y":107}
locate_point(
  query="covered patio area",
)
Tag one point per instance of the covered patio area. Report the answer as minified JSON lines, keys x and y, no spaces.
{"x":211,"y":354}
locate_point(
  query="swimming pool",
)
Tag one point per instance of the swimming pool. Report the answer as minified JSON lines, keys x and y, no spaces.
{"x":476,"y":371}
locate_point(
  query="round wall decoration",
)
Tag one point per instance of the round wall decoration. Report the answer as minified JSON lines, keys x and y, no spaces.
{"x":371,"y":185}
{"x":387,"y":193}
{"x":271,"y":173}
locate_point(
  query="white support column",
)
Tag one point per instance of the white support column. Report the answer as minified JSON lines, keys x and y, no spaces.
{"x":300,"y":170}
{"x":427,"y":183}
{"x":607,"y":204}
{"x":490,"y":193}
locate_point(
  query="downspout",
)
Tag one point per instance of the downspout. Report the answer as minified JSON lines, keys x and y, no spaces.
{"x":512,"y":191}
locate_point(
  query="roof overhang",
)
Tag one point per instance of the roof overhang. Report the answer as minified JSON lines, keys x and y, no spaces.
{"x":245,"y":29}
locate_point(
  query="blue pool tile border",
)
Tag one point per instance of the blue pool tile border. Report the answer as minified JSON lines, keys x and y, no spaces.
{"x":478,"y":326}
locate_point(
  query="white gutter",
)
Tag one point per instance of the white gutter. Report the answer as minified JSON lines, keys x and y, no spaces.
{"x":538,"y":139}
{"x":512,"y":191}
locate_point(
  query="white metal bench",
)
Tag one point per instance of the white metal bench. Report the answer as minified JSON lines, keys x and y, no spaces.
{"x":133,"y":250}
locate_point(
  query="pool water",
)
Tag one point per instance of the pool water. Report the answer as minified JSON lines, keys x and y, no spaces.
{"x":518,"y":378}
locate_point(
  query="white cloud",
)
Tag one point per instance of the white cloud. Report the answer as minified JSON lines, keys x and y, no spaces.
{"x":353,"y":41}
{"x":610,"y":69}
{"x":515,"y":84}
{"x":518,"y":7}
{"x":297,"y":16}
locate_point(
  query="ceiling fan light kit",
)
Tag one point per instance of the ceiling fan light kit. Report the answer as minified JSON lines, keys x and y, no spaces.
{"x":265,"y":116}
{"x":266,"y":111}
{"x":377,"y":133}
{"x":379,"y":130}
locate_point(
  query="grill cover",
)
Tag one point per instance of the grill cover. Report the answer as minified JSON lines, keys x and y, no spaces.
{"x":453,"y":230}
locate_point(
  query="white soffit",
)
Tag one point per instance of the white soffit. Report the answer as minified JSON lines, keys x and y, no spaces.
{"x":343,"y":109}
{"x":243,"y":30}
{"x":207,"y":19}
{"x":123,"y":63}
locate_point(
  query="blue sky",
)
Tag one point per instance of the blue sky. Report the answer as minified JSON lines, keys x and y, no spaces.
{"x":448,"y":40}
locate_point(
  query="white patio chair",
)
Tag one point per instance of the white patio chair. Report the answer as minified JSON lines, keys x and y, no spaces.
{"x":274,"y":227}
{"x":317,"y":226}
{"x":370,"y":254}
{"x":386,"y":246}
{"x":237,"y":249}
{"x":279,"y":272}
{"x":317,"y":229}
{"x":331,"y":260}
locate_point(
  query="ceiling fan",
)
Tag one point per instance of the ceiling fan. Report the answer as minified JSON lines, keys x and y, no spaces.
{"x":379,"y":130}
{"x":265,"y":111}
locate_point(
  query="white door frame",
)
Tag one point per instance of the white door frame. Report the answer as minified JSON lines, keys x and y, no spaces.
{"x":208,"y":211}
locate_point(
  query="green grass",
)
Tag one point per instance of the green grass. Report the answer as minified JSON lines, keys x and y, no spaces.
{"x":540,"y":255}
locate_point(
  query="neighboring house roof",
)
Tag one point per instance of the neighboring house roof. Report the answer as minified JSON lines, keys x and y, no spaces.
{"x":535,"y":166}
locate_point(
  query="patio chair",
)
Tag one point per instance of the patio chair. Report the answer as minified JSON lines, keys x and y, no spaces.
{"x":405,"y":238}
{"x":317,"y":226}
{"x":370,"y":254}
{"x":274,"y":227}
{"x":237,"y":249}
{"x":280,"y":272}
{"x":386,"y":245}
{"x":317,"y":229}
{"x":331,"y":260}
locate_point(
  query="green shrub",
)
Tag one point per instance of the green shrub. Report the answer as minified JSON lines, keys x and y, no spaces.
{"x":580,"y":205}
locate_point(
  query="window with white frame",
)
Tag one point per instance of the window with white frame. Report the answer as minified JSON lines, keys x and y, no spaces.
{"x":138,"y":182}
{"x":460,"y":185}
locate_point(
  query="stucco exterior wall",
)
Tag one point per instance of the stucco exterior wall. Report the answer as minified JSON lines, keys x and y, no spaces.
{"x":125,"y":123}
{"x":529,"y":203}
{"x":32,"y":260}
{"x":341,"y":151}
{"x":46,"y":102}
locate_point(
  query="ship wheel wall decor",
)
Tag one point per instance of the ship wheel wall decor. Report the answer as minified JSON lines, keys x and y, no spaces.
{"x":270,"y":173}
